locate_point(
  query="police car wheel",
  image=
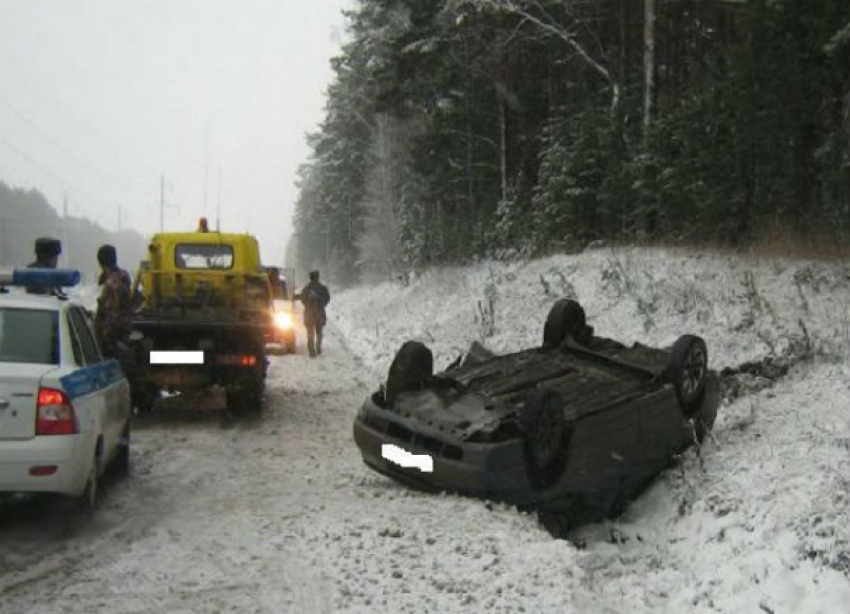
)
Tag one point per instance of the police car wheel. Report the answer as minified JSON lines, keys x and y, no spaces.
{"x":88,"y":500}
{"x":122,"y":454}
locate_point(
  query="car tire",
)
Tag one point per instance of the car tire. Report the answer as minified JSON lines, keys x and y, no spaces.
{"x":566,"y":319}
{"x":122,"y":453}
{"x":541,"y":420}
{"x":88,"y":500}
{"x":703,"y":419}
{"x":412,"y":365}
{"x":687,"y":370}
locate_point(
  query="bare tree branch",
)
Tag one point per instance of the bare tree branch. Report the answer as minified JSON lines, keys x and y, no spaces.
{"x":548,"y":24}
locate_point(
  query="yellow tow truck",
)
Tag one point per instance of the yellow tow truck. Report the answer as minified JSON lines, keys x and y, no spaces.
{"x":204,"y":310}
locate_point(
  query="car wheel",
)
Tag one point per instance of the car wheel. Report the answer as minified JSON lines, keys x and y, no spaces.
{"x":88,"y":500}
{"x":122,"y":458}
{"x":566,"y":319}
{"x":412,"y":365}
{"x":541,"y":420}
{"x":687,"y":370}
{"x":703,"y":420}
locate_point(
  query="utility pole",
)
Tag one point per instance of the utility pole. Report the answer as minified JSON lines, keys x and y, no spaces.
{"x":218,"y":204}
{"x":3,"y":240}
{"x":162,"y":203}
{"x":65,"y":225}
{"x":206,"y":165}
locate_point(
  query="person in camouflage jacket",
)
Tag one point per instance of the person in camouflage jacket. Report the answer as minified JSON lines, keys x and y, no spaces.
{"x":114,"y":305}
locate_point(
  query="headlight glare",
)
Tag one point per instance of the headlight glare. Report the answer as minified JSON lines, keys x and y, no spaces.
{"x":282,"y":320}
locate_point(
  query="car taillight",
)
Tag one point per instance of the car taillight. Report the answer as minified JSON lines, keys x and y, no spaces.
{"x":55,"y":414}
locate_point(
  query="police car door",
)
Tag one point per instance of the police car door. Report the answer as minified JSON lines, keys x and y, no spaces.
{"x":112,"y":376}
{"x":92,"y":388}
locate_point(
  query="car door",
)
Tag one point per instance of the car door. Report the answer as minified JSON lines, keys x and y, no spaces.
{"x":118,"y":405}
{"x":90,"y":394}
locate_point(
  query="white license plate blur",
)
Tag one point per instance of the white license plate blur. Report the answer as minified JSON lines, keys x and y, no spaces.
{"x":176,"y":358}
{"x":408,"y":460}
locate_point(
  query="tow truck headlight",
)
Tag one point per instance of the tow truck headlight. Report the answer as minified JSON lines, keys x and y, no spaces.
{"x":282,"y":320}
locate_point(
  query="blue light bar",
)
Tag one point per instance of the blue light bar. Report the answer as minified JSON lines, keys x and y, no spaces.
{"x":47,"y":278}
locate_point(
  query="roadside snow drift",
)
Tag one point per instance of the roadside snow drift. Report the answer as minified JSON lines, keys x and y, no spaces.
{"x":757,"y":521}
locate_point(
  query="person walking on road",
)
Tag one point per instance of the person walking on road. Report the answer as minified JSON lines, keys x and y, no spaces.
{"x":315,"y":297}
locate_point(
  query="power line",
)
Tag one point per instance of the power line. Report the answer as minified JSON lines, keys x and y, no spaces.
{"x":59,"y":146}
{"x":51,"y":173}
{"x":45,"y":95}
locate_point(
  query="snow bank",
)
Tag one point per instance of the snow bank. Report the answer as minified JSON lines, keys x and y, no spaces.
{"x":757,"y":522}
{"x":745,"y":308}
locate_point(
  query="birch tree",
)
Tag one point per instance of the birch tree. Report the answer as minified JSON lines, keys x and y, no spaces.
{"x":536,"y":13}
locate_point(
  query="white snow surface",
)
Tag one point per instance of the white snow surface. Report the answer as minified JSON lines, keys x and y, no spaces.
{"x":279,"y":514}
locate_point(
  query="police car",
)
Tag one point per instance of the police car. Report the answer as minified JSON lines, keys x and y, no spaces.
{"x":64,"y":408}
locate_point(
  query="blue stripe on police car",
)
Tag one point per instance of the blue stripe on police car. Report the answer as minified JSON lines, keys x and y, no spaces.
{"x":91,"y":379}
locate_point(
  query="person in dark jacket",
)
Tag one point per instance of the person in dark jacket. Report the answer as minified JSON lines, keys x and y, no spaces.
{"x":114,"y":306}
{"x":279,"y":290}
{"x":47,"y":252}
{"x":315,"y":297}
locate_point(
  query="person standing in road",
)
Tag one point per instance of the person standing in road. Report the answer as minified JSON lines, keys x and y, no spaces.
{"x":114,"y":306}
{"x":47,"y":252}
{"x":315,"y":297}
{"x":279,"y":290}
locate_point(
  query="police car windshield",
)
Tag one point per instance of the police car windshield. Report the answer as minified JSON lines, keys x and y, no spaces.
{"x":29,"y":336}
{"x":195,"y":256}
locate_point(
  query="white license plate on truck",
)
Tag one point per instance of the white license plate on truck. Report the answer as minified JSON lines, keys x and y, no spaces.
{"x":176,"y":358}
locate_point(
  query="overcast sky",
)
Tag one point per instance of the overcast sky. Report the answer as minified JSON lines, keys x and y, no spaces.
{"x":98,"y":98}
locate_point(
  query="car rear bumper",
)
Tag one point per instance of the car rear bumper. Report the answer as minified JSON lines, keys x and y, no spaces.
{"x":68,"y":454}
{"x":492,"y":470}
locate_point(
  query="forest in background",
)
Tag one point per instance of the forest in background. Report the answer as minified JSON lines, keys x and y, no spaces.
{"x":466,"y":129}
{"x":26,"y":215}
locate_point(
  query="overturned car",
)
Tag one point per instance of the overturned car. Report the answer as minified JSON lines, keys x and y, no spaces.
{"x":574,"y":427}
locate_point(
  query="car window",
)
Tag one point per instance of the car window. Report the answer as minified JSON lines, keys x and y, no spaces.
{"x":203,"y":256}
{"x":88,"y":345}
{"x":76,"y":346}
{"x":29,"y":335}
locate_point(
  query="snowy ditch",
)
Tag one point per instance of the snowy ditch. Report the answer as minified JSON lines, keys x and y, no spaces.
{"x":755,"y":521}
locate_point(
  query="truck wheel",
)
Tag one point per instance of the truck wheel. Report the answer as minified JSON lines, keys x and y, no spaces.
{"x":412,"y":365}
{"x":245,"y":398}
{"x":145,"y":398}
{"x":566,"y":319}
{"x":687,"y":370}
{"x":541,"y":420}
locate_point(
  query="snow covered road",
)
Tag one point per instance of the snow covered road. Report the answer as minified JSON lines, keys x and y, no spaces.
{"x":275,"y":514}
{"x":212,"y":518}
